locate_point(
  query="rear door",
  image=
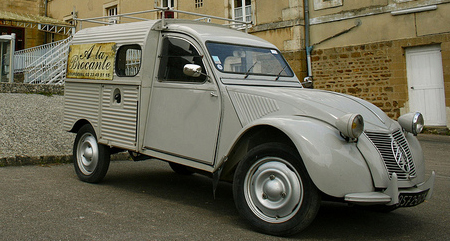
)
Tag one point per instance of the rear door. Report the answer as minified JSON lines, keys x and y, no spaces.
{"x":119,"y":100}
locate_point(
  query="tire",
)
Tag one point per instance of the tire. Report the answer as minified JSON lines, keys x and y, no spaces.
{"x":273,"y":191}
{"x":180,"y":169}
{"x":91,"y":160}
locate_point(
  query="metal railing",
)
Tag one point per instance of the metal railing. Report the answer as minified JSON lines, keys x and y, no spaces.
{"x":24,"y":58}
{"x":44,"y":64}
{"x":133,"y":61}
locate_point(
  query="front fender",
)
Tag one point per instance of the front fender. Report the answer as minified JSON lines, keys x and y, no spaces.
{"x":335,"y":166}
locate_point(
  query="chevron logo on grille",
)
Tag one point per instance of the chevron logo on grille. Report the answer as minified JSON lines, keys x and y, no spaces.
{"x":400,"y":156}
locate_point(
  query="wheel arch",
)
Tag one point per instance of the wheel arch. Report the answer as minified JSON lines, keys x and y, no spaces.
{"x":252,"y":137}
{"x":328,"y":158}
{"x":78,"y":124}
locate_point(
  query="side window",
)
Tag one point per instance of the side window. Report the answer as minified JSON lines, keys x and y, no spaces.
{"x":176,"y":53}
{"x":128,"y":60}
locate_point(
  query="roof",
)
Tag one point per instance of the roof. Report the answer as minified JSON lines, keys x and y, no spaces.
{"x":124,"y":33}
{"x":30,"y":18}
{"x":137,"y":33}
{"x":215,"y":32}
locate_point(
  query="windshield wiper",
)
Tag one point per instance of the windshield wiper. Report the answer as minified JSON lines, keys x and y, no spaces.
{"x":279,"y":74}
{"x":248,"y":71}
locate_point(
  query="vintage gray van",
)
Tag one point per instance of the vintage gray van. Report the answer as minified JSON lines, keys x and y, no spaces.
{"x":211,"y":99}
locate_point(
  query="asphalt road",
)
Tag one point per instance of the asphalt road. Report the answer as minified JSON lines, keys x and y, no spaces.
{"x":147,"y":201}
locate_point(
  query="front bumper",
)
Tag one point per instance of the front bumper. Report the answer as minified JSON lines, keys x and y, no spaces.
{"x":404,"y":197}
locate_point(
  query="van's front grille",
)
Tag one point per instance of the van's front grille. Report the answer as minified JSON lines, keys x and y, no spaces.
{"x":394,"y":150}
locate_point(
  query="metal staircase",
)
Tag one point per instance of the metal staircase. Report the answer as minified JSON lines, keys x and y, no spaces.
{"x":45,"y":64}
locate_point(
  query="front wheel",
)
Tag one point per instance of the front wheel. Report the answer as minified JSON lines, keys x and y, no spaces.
{"x":91,"y":160}
{"x":273,"y":191}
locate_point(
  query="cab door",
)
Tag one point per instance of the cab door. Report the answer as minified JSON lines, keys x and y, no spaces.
{"x":184,"y":114}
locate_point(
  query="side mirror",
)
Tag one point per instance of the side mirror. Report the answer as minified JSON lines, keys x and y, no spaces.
{"x":192,"y":70}
{"x":308,"y":82}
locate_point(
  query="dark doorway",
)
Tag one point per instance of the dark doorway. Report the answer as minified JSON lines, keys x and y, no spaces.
{"x":20,"y":35}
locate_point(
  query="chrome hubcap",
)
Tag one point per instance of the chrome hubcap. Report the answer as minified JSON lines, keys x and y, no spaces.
{"x":273,"y":190}
{"x":87,"y":154}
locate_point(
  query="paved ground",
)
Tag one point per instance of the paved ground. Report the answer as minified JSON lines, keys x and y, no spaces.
{"x":147,"y":201}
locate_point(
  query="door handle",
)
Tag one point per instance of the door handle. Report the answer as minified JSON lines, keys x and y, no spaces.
{"x":213,"y":94}
{"x":118,"y":98}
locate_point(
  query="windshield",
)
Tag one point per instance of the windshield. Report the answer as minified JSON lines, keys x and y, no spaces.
{"x":247,"y":60}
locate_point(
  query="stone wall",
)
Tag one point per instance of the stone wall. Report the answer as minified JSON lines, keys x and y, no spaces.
{"x":375,"y":72}
{"x":297,"y":61}
{"x":31,"y":88}
{"x":35,"y":7}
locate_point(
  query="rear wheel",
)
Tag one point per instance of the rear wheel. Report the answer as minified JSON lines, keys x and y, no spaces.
{"x":91,"y":160}
{"x":273,"y":191}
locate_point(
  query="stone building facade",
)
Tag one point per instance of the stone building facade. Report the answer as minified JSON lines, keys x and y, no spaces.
{"x":375,"y":72}
{"x":372,"y":57}
{"x":26,"y":38}
{"x":29,"y":20}
{"x":362,"y":48}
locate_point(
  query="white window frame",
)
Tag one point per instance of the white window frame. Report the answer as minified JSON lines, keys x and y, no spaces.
{"x":246,"y":13}
{"x":110,"y":10}
{"x":198,"y":3}
{"x":169,"y":3}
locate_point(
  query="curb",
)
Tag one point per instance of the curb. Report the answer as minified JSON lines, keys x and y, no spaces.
{"x":45,"y":160}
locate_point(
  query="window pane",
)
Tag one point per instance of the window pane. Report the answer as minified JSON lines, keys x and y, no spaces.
{"x":176,"y":53}
{"x":198,"y":3}
{"x":128,"y":60}
{"x":167,"y":3}
{"x":112,"y":11}
{"x":248,"y":60}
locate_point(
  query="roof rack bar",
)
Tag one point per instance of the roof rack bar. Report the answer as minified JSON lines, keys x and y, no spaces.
{"x":93,"y":21}
{"x":210,"y":16}
{"x":164,"y":9}
{"x":118,"y":15}
{"x":143,"y":19}
{"x":235,"y":22}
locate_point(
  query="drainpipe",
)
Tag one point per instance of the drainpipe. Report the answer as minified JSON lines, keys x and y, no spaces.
{"x":46,"y":15}
{"x":45,"y":8}
{"x":307,"y":81}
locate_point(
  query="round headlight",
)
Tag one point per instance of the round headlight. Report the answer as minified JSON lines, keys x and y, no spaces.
{"x":412,"y":122}
{"x":350,"y":125}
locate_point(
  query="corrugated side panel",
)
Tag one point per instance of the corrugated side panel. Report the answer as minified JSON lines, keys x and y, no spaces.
{"x":251,"y":107}
{"x":119,"y":121}
{"x":128,"y":33}
{"x":81,"y":101}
